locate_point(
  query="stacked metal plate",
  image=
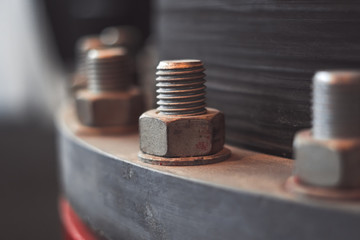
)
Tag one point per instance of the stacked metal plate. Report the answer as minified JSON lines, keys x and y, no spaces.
{"x":260,"y":58}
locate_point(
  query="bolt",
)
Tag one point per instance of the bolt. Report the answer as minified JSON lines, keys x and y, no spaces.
{"x":181,"y":89}
{"x":182,"y":131}
{"x":329,"y":154}
{"x":108,"y":70}
{"x":83,"y":46}
{"x":109,"y":99}
{"x":336,"y":110}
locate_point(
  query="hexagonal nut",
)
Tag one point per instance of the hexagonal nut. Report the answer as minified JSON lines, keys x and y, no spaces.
{"x":327,"y":163}
{"x":182,"y":136}
{"x":109,"y":108}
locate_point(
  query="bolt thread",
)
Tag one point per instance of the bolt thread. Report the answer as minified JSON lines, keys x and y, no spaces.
{"x":336,"y":105}
{"x":83,"y":46}
{"x":108,"y":69}
{"x":181,"y":89}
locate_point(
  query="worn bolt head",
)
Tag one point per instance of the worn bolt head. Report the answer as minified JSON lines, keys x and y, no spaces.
{"x":114,"y":108}
{"x":182,"y":136}
{"x":327,"y":163}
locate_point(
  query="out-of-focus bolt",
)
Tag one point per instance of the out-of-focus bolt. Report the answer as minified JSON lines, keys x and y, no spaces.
{"x":83,"y":46}
{"x":108,"y":70}
{"x":124,"y":36}
{"x":182,"y":131}
{"x":329,"y":154}
{"x":109,"y":99}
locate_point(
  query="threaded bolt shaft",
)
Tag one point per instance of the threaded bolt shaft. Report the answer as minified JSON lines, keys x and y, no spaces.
{"x":108,"y":69}
{"x":181,"y":89}
{"x":336,"y":105}
{"x":83,"y":46}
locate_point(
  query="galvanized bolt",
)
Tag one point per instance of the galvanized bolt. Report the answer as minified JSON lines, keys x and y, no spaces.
{"x":182,"y":131}
{"x":329,"y":154}
{"x":109,"y":99}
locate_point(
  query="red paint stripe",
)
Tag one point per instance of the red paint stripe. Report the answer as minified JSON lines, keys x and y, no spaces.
{"x":74,"y":228}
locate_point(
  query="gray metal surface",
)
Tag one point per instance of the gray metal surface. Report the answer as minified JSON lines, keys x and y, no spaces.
{"x":328,"y":155}
{"x":182,"y":136}
{"x":261,"y":55}
{"x":336,"y":105}
{"x":241,"y":198}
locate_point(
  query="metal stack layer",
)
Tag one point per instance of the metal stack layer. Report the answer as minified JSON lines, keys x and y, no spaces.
{"x":260,"y":57}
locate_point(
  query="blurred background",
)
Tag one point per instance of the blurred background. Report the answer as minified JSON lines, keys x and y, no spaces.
{"x":37,"y":55}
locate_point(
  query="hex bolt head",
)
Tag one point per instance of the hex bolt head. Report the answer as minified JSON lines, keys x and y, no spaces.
{"x":182,"y":128}
{"x":329,"y":154}
{"x":188,"y":136}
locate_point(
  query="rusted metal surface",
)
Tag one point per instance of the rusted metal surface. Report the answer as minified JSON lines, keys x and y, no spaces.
{"x":186,"y":161}
{"x":296,"y":186}
{"x":181,"y":127}
{"x":241,"y":198}
{"x":181,"y":89}
{"x":109,"y":99}
{"x":329,"y":154}
{"x":185,"y":136}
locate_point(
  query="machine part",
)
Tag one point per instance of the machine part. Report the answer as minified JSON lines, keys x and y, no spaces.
{"x":83,"y":46}
{"x":109,"y":99}
{"x":121,"y":197}
{"x":185,"y":161}
{"x":182,"y":127}
{"x":181,"y":89}
{"x":329,"y":154}
{"x":336,"y":105}
{"x":294,"y":184}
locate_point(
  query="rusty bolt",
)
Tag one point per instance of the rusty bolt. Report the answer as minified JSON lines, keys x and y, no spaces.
{"x":329,"y":154}
{"x":181,"y":128}
{"x":109,"y":99}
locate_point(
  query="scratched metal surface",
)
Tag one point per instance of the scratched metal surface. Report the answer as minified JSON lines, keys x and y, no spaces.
{"x":260,"y":56}
{"x":121,"y":197}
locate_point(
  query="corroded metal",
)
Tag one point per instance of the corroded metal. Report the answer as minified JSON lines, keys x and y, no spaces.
{"x":181,"y":89}
{"x":185,"y":161}
{"x":109,"y":99}
{"x":182,"y":131}
{"x":296,"y":186}
{"x":329,"y":154}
